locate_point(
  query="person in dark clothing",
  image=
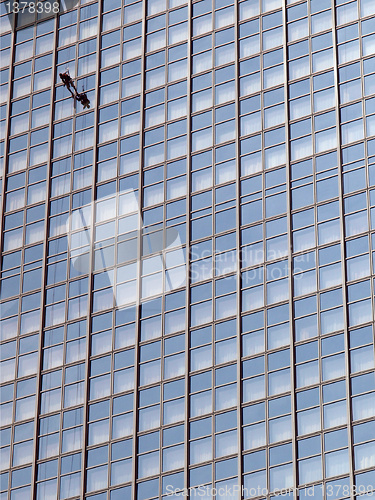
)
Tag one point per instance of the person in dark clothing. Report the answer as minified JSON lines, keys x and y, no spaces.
{"x":83,"y":99}
{"x":68,"y":82}
{"x":65,"y":79}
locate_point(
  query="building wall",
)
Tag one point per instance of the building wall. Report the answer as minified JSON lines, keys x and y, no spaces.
{"x":187,"y":292}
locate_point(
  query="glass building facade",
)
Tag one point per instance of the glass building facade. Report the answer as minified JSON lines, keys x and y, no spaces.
{"x":187,"y":266}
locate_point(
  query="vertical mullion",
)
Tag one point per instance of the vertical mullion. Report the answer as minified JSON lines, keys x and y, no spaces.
{"x":290,"y":240}
{"x":238,"y":243}
{"x":139,"y":253}
{"x":188,"y":246}
{"x":91,"y":263}
{"x":213,"y":239}
{"x":366,"y":162}
{"x":343,"y":251}
{"x":44,"y":272}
